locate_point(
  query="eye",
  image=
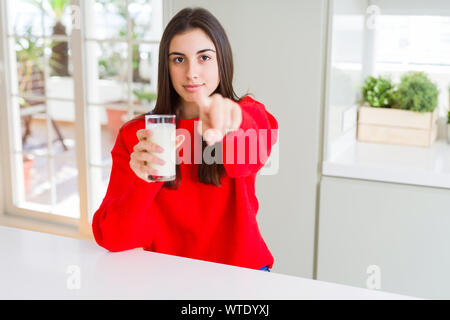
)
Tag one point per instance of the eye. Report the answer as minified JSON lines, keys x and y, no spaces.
{"x":176,"y":59}
{"x":207,"y":58}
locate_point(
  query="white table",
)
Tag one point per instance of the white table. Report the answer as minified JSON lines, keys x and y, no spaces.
{"x":35,"y":265}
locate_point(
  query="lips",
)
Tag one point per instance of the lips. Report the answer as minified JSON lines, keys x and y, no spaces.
{"x":193,"y":87}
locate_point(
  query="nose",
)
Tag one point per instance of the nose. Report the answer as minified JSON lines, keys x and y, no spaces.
{"x":192,"y":70}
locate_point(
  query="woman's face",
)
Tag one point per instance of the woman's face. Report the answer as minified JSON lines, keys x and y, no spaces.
{"x":193,"y":62}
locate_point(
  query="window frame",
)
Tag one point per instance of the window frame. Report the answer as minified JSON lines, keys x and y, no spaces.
{"x":12,"y":215}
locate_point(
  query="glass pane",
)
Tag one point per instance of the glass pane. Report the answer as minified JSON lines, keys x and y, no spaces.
{"x":57,"y":17}
{"x":62,"y":128}
{"x":104,"y":125}
{"x":30,"y":66}
{"x":415,"y":43}
{"x":40,"y":17}
{"x":99,"y":179}
{"x":60,"y":193}
{"x":59,"y":64}
{"x":144,"y":98}
{"x":145,"y":64}
{"x":146,"y":19}
{"x":107,"y":73}
{"x":26,"y":17}
{"x":30,"y":130}
{"x":108,"y":19}
{"x":145,"y":71}
{"x":36,"y":180}
{"x":345,"y":76}
{"x":66,"y":180}
{"x":413,"y":39}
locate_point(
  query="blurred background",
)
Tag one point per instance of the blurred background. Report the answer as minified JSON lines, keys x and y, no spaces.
{"x":360,"y":89}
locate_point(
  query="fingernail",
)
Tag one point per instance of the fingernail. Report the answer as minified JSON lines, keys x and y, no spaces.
{"x":208,"y":135}
{"x":160,"y":149}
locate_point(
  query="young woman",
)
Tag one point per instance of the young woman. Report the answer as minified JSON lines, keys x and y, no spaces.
{"x":209,"y":211}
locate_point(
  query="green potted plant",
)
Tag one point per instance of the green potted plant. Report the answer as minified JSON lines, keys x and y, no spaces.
{"x":416,"y":93}
{"x":378,"y":92}
{"x":399,"y":114}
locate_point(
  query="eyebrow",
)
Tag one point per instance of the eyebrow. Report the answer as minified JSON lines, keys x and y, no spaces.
{"x":182,"y":54}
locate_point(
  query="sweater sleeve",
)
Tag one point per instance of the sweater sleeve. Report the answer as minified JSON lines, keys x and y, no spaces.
{"x":122,"y":221}
{"x":247,"y":149}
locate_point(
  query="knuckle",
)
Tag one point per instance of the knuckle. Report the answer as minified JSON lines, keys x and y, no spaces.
{"x":149,"y":147}
{"x":143,"y":157}
{"x":152,"y":158}
{"x":138,"y":156}
{"x":147,"y":157}
{"x":146,"y":145}
{"x":154,"y":148}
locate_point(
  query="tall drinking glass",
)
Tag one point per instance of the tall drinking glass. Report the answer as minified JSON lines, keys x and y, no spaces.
{"x":163,"y":127}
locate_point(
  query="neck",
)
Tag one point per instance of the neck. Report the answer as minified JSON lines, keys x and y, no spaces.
{"x":189,"y":110}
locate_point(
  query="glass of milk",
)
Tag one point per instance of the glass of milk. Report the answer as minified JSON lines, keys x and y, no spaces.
{"x":163,"y":127}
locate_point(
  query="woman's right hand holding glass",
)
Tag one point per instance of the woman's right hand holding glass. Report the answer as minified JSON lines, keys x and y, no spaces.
{"x":144,"y":155}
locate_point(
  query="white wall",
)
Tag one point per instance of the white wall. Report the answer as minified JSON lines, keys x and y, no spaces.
{"x":278,"y":49}
{"x":402,"y":229}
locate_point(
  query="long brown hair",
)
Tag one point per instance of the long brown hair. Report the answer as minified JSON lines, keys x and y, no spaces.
{"x":168,"y":99}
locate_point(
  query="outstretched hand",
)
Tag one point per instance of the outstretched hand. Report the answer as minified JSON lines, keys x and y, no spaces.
{"x":218,"y":115}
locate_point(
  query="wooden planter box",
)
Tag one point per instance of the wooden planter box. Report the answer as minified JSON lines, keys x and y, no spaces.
{"x":395,"y":126}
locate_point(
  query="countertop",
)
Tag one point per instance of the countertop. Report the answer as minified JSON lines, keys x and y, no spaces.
{"x":393,"y":163}
{"x":36,"y":265}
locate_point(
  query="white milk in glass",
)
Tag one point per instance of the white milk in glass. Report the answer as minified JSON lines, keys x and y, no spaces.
{"x":163,"y":128}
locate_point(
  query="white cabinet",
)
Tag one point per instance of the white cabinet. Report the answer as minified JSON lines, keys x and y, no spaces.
{"x":403,"y":230}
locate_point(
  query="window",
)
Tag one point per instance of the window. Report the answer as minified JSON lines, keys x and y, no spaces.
{"x":418,"y":43}
{"x":404,"y":36}
{"x":58,"y":142}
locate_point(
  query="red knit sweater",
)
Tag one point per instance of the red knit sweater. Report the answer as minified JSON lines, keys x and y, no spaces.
{"x":196,"y":220}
